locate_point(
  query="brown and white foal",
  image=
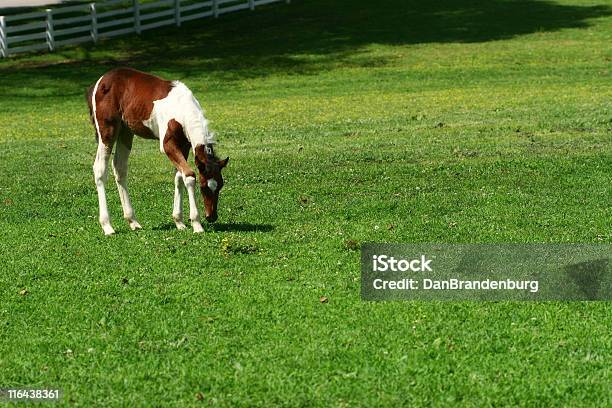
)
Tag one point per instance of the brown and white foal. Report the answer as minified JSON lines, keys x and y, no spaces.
{"x":125,"y":102}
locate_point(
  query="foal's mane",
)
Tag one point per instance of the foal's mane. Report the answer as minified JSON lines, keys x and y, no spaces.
{"x":212,"y":161}
{"x":210,"y":153}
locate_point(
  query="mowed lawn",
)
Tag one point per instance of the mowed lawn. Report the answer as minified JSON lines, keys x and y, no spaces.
{"x":345,"y":122}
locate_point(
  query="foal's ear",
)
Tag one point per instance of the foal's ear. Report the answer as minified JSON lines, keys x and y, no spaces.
{"x":223,"y":163}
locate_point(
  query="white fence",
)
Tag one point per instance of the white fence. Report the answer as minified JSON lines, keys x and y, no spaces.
{"x":47,"y":30}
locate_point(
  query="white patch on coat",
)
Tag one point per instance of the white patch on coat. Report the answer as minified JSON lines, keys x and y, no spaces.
{"x":182,"y":106}
{"x":93,"y":107}
{"x":212,"y":184}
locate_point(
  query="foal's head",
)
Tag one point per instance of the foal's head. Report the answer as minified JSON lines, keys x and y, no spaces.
{"x":211,"y":181}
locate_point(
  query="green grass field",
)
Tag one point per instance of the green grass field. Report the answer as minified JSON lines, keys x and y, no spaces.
{"x":346,"y":122}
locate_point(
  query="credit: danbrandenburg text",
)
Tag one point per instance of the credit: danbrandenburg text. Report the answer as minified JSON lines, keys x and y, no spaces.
{"x":455,"y":284}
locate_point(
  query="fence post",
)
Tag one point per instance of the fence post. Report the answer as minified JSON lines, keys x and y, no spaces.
{"x":216,"y":8}
{"x":136,"y":16}
{"x":251,"y":5}
{"x":177,"y":12}
{"x":3,"y":43}
{"x":50,"y":33}
{"x":94,"y":22}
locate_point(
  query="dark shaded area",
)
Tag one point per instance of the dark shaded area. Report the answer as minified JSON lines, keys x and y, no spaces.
{"x":221,"y":227}
{"x":18,"y":9}
{"x":304,"y":37}
{"x":588,"y":276}
{"x":238,"y":227}
{"x":167,"y":226}
{"x":341,"y":28}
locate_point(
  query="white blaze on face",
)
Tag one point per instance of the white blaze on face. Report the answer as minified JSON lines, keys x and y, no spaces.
{"x":212,"y":184}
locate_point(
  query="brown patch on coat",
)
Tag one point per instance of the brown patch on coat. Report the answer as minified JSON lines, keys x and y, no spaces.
{"x":125,"y":97}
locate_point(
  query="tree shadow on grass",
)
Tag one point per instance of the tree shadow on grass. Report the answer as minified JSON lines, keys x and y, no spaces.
{"x":313,"y":35}
{"x":302,"y":38}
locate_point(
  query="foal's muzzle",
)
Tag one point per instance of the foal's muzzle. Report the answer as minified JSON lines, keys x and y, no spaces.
{"x":212,"y":218}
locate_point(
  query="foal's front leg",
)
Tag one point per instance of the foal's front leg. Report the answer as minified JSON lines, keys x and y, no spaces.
{"x":177,"y":212}
{"x":177,"y":149}
{"x":194,"y":215}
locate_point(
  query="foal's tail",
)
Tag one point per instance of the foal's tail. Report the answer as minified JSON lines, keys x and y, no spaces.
{"x":88,"y":95}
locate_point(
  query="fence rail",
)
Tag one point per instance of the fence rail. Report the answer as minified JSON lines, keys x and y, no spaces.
{"x":88,"y":22}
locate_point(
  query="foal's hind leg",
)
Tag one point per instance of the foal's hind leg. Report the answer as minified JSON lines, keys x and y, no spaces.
{"x":120,"y":169}
{"x":100,"y":169}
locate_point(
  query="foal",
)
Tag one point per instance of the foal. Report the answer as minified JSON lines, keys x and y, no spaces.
{"x":125,"y":102}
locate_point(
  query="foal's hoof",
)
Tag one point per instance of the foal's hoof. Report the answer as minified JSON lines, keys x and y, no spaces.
{"x":197,"y":227}
{"x":134,"y":225}
{"x":180,"y":226}
{"x":108,"y":230}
